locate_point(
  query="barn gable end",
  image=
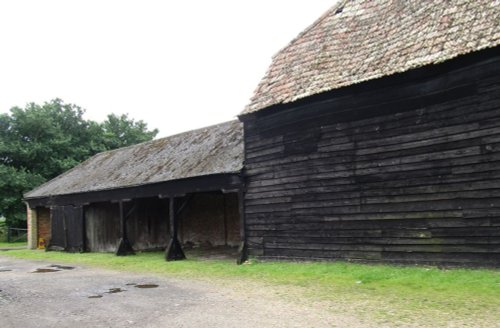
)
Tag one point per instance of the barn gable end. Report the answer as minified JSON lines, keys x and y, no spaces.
{"x":398,"y":167}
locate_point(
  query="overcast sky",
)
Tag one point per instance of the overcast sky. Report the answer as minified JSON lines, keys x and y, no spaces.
{"x":178,"y":65}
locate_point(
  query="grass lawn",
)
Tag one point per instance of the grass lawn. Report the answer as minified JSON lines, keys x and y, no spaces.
{"x":14,"y":244}
{"x":384,"y":293}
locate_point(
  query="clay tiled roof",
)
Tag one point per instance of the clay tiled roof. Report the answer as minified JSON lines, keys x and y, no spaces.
{"x":212,"y":150}
{"x":360,"y":40}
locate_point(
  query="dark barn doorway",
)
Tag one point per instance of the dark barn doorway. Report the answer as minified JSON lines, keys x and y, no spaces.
{"x":208,"y":224}
{"x":67,"y":228}
{"x":147,"y":224}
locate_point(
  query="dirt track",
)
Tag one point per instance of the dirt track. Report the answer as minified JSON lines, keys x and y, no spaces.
{"x":89,"y":297}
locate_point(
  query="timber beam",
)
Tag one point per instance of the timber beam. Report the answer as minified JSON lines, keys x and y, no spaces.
{"x":174,"y":250}
{"x":124,"y":247}
{"x":243,"y":249}
{"x":166,"y":189}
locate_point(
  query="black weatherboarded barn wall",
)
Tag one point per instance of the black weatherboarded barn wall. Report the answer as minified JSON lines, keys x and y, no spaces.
{"x":375,"y":136}
{"x":406,"y":171}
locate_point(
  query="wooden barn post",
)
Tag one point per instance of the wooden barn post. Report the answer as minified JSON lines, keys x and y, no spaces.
{"x":32,"y":221}
{"x":174,"y":250}
{"x":124,"y":247}
{"x":243,"y":249}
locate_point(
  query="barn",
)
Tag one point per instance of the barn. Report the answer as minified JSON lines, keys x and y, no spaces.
{"x":182,"y":191}
{"x":375,"y":136}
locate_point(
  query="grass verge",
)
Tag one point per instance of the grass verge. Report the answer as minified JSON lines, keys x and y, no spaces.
{"x":388,"y":293}
{"x":14,"y":244}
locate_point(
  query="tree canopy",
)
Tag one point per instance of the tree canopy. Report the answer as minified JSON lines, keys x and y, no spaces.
{"x":39,"y":142}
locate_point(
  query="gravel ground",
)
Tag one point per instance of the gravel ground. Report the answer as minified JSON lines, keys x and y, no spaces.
{"x":90,"y":297}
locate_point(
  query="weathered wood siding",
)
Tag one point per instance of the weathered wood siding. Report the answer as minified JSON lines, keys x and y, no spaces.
{"x":102,"y":225}
{"x":211,"y":219}
{"x":406,"y":171}
{"x":147,"y":224}
{"x":67,"y":228}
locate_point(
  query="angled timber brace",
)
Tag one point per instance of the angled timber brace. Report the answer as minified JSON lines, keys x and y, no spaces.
{"x":243,"y":249}
{"x":124,"y":247}
{"x":174,"y":250}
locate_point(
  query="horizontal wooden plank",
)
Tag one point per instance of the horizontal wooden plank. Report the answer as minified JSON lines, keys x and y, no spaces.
{"x":320,"y":254}
{"x":325,"y":193}
{"x":359,"y":206}
{"x":281,"y":217}
{"x":482,"y":259}
{"x":436,"y":248}
{"x":384,"y":241}
{"x":376,"y":225}
{"x":378,"y":197}
{"x":459,"y":259}
{"x":414,"y":233}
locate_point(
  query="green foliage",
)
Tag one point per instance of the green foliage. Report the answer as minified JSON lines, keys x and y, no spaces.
{"x":39,"y":142}
{"x":3,"y":229}
{"x":13,"y":183}
{"x":121,"y":131}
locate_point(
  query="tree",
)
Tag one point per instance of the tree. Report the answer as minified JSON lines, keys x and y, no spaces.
{"x":40,"y":142}
{"x":121,"y":131}
{"x":13,"y":183}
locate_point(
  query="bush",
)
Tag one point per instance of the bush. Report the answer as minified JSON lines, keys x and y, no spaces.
{"x":3,"y":230}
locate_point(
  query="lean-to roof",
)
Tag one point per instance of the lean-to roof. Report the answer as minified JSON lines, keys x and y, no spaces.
{"x":216,"y":149}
